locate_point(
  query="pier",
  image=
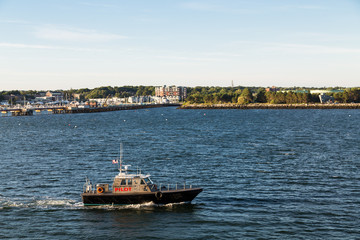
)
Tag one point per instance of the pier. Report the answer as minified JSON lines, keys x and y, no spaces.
{"x":44,"y":110}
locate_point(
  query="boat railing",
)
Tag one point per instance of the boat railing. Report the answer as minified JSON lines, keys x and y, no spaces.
{"x":171,"y":187}
{"x":91,"y":188}
{"x":88,"y":187}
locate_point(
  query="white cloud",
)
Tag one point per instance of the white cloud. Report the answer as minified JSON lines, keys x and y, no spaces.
{"x":201,"y":6}
{"x":326,"y":37}
{"x":293,"y":48}
{"x":224,"y":54}
{"x":297,"y":7}
{"x":20,"y":45}
{"x":70,"y":34}
{"x":34,"y":46}
{"x":195,"y":59}
{"x":310,"y":7}
{"x":224,"y":8}
{"x":102,"y":5}
{"x":310,"y":49}
{"x":11,"y":21}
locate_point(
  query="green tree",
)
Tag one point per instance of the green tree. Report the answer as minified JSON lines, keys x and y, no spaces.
{"x":235,"y":95}
{"x":346,"y":97}
{"x":270,"y":97}
{"x":356,"y":94}
{"x":140,"y":90}
{"x":338,"y":97}
{"x":280,"y":98}
{"x":245,"y":97}
{"x":290,"y":97}
{"x":208,"y":98}
{"x":261,"y":96}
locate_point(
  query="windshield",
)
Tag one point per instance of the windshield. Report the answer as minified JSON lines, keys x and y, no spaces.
{"x":148,"y":181}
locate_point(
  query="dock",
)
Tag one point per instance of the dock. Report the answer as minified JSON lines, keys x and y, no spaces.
{"x":45,"y":110}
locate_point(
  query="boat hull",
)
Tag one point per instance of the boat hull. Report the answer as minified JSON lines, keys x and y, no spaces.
{"x":160,"y":197}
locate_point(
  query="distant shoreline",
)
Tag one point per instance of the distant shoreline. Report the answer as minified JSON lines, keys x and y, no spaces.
{"x":7,"y":112}
{"x":272,"y":106}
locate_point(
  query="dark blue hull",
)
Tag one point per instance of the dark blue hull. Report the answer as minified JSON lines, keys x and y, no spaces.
{"x":161,"y":197}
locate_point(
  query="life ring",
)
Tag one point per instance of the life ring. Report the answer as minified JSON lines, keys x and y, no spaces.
{"x":158,"y":195}
{"x":100,"y":190}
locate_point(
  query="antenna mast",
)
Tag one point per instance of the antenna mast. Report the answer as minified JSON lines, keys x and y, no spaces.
{"x":121,"y":155}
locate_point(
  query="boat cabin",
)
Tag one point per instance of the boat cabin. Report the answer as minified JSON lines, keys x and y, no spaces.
{"x":128,"y":183}
{"x":133,"y":183}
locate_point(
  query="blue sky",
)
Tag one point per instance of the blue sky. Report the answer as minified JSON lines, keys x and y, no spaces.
{"x":63,"y":44}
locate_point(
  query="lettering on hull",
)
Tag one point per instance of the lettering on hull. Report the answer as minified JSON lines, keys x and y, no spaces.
{"x":126,"y":189}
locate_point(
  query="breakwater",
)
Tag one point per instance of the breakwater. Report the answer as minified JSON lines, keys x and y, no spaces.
{"x":73,"y":109}
{"x":271,"y":106}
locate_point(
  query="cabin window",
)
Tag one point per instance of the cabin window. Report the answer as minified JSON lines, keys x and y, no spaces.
{"x":148,"y":181}
{"x":142,"y":181}
{"x":129,"y":181}
{"x":123,"y":182}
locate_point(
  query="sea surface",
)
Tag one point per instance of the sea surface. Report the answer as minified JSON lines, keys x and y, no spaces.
{"x":266,"y":174}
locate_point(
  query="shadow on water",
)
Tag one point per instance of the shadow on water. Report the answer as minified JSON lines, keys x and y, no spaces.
{"x":138,"y":221}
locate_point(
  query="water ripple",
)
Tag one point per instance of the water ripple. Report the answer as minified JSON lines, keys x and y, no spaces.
{"x":266,"y":174}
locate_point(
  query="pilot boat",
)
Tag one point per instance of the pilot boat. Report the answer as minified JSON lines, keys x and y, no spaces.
{"x":136,"y":188}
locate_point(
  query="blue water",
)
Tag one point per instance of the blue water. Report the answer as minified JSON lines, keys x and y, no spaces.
{"x":266,"y":174}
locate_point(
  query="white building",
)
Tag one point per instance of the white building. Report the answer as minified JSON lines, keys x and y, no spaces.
{"x":140,"y":99}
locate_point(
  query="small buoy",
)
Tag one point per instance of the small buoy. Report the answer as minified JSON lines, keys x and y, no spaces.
{"x":165,"y":119}
{"x":75,"y":127}
{"x":124,"y":120}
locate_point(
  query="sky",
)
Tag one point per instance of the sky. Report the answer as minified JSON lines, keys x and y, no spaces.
{"x":64,"y":44}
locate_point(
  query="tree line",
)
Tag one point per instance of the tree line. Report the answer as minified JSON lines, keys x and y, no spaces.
{"x":85,"y":93}
{"x":120,"y":92}
{"x":243,"y":95}
{"x":208,"y":95}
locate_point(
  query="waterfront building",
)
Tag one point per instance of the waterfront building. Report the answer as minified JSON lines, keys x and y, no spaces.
{"x":272,"y":89}
{"x":326,"y":91}
{"x":118,"y":101}
{"x":171,"y":91}
{"x":49,"y":96}
{"x":44,"y":99}
{"x":296,"y":91}
{"x":40,"y":94}
{"x":325,"y":98}
{"x":165,"y":100}
{"x":55,"y":96}
{"x":76,"y":96}
{"x":140,"y":99}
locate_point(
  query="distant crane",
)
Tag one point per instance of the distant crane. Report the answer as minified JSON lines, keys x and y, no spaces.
{"x":105,"y":102}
